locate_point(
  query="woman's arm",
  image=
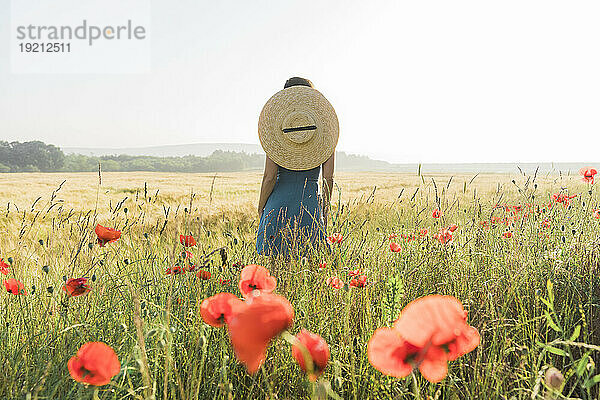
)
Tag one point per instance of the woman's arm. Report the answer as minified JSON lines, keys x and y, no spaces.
{"x":268,"y":182}
{"x":327,"y":185}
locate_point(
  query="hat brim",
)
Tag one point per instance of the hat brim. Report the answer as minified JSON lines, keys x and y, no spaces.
{"x":323,"y":138}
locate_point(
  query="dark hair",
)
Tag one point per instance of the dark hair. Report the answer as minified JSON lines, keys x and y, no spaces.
{"x":297,"y":81}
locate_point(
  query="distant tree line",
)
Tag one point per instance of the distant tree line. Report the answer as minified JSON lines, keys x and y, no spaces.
{"x":37,"y":156}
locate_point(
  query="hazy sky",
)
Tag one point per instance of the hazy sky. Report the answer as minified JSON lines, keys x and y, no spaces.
{"x":428,"y":81}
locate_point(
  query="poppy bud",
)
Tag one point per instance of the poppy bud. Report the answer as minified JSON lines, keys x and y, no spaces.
{"x":10,"y":260}
{"x":563,"y":239}
{"x":45,"y":268}
{"x":554,"y":378}
{"x":32,"y":289}
{"x":90,"y":246}
{"x":125,"y":210}
{"x":235,"y":241}
{"x":50,"y":289}
{"x":64,"y":278}
{"x":145,"y":235}
{"x":126,"y":261}
{"x":573,"y":231}
{"x":94,"y":278}
{"x":185,"y":210}
{"x":207,"y":233}
{"x":41,"y":242}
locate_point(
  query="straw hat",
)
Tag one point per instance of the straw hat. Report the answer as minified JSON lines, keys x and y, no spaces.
{"x":298,"y":128}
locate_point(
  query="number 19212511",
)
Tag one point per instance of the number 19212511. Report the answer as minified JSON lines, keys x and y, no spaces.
{"x":45,"y":47}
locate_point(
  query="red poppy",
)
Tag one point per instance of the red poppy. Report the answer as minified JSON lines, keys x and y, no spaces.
{"x":187,"y":241}
{"x":224,"y":282}
{"x":335,"y":282}
{"x":444,"y":236}
{"x":335,"y":238}
{"x":220,"y":308}
{"x":507,"y":235}
{"x":588,"y":174}
{"x":252,"y":328}
{"x":256,"y":277}
{"x":423,"y":232}
{"x":596,"y":213}
{"x":395,"y":247}
{"x":175,"y":270}
{"x":106,"y":235}
{"x":190,"y":267}
{"x":392,"y":236}
{"x":186,"y":255}
{"x":203,"y":274}
{"x":77,"y":287}
{"x":95,"y":363}
{"x":322,"y":265}
{"x":430,"y":331}
{"x":563,"y":198}
{"x":436,"y":213}
{"x":318,"y":350}
{"x":4,"y":267}
{"x":354,"y":272}
{"x":452,"y":228}
{"x":546,"y":223}
{"x":359,"y":282}
{"x":14,"y":286}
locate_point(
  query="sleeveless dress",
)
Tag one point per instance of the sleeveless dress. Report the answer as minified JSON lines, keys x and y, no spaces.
{"x":291,"y":223}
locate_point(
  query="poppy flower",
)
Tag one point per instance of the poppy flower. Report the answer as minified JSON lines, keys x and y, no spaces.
{"x":444,"y":236}
{"x":423,"y":232}
{"x":317,"y":349}
{"x":187,"y":241}
{"x":203,"y":274}
{"x":452,"y":228}
{"x":186,"y":255}
{"x":392,"y":236}
{"x":14,"y":286}
{"x":354,"y":272}
{"x":175,"y":270}
{"x":429,"y":332}
{"x":322,"y":265}
{"x":596,"y":213}
{"x":4,"y":267}
{"x":563,"y":198}
{"x":256,"y":277}
{"x":335,"y":282}
{"x":507,"y":235}
{"x":220,"y":308}
{"x":436,"y":213}
{"x":335,"y":238}
{"x":106,"y":235}
{"x":358,"y":282}
{"x":395,"y":247}
{"x":95,"y":363}
{"x":588,"y":174}
{"x":76,"y":287}
{"x":252,"y":328}
{"x":224,"y":282}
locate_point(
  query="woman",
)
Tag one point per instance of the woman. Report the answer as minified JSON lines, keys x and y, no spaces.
{"x":298,"y":129}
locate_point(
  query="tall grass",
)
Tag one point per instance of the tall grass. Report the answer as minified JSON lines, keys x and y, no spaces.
{"x":534,"y":298}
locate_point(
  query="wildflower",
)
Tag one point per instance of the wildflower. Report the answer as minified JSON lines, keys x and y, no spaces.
{"x":436,"y":213}
{"x":220,"y":308}
{"x":546,"y":223}
{"x":554,"y":378}
{"x":359,"y":282}
{"x":252,"y":328}
{"x":187,"y":241}
{"x":444,"y":236}
{"x":203,"y":274}
{"x":14,"y":286}
{"x":335,"y":282}
{"x":106,"y":235}
{"x":588,"y":174}
{"x":175,"y":270}
{"x":423,"y":232}
{"x":430,"y":332}
{"x":77,"y":287}
{"x":452,"y":228}
{"x":256,"y":277}
{"x":322,"y":265}
{"x":317,"y":349}
{"x":186,"y":255}
{"x":507,"y":235}
{"x":4,"y":267}
{"x":596,"y":213}
{"x":354,"y":272}
{"x":224,"y":282}
{"x":335,"y":238}
{"x":395,"y":247}
{"x":95,"y":363}
{"x":392,"y":236}
{"x":563,"y":198}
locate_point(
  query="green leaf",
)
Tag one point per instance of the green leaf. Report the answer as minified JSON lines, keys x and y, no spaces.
{"x":546,"y":302}
{"x":551,"y":322}
{"x":550,"y":288}
{"x":554,"y":350}
{"x":592,"y":381}
{"x":576,"y":333}
{"x":581,"y":364}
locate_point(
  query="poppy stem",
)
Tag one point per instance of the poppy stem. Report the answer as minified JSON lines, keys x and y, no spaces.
{"x":269,"y":388}
{"x":415,"y":386}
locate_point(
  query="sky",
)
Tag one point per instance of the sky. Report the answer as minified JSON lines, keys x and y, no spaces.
{"x":411,"y":81}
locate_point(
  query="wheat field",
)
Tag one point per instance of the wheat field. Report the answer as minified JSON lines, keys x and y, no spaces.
{"x":534,"y":297}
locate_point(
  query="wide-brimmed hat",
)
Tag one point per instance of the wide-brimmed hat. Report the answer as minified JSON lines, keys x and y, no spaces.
{"x":298,"y":128}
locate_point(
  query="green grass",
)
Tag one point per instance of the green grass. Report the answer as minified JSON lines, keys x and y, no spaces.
{"x":525,"y":325}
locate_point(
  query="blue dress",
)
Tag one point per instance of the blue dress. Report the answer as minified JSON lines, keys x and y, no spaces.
{"x":291,"y":223}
